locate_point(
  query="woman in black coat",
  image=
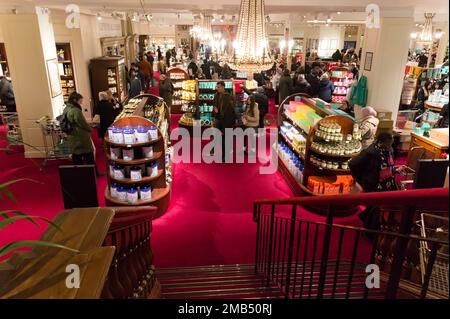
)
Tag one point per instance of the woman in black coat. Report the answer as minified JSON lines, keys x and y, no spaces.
{"x":107,"y":114}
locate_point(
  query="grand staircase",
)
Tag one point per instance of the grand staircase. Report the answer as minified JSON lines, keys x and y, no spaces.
{"x":240,"y":282}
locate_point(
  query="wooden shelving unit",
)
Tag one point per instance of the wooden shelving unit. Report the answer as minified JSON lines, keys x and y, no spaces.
{"x":3,"y":58}
{"x":108,"y":73}
{"x":160,"y":186}
{"x":177,"y":76}
{"x":66,"y":69}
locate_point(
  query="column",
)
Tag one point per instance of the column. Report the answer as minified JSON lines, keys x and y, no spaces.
{"x":389,"y":45}
{"x":30,"y":43}
{"x":442,"y":48}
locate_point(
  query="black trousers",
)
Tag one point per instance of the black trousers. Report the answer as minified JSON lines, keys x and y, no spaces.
{"x":85,"y":159}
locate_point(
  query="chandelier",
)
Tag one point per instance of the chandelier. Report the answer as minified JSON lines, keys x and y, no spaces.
{"x":250,"y":48}
{"x":202,"y":30}
{"x":426,"y":35}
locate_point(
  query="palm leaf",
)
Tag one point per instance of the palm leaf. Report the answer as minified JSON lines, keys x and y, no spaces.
{"x":6,"y":212}
{"x":11,"y":220}
{"x":5,"y":191}
{"x":32,"y":243}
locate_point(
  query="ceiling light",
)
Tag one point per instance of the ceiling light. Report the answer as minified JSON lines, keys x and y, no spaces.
{"x":222,"y":19}
{"x":426,"y":35}
{"x":99,"y":17}
{"x":315,"y":19}
{"x":339,"y":12}
{"x":413,"y":35}
{"x":327,"y":24}
{"x":328,"y":19}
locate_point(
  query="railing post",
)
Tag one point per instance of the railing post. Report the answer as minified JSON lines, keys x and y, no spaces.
{"x":291,"y":244}
{"x":429,"y":270}
{"x":407,"y":220}
{"x":257,"y":218}
{"x":269,"y":260}
{"x":325,"y":251}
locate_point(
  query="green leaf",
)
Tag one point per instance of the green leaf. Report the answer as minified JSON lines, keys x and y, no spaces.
{"x":6,"y":212}
{"x":5,"y":191}
{"x":10,"y":220}
{"x":32,"y":243}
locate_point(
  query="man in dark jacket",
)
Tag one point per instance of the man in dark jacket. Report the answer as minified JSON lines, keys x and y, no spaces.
{"x":135,"y":85}
{"x":314,"y":82}
{"x":262,"y":100}
{"x":337,"y":56}
{"x":223,"y":112}
{"x":326,"y":88}
{"x":206,"y":69}
{"x":302,"y":86}
{"x":285,"y":86}
{"x":166,"y":89}
{"x":168,"y":56}
{"x":107,"y":114}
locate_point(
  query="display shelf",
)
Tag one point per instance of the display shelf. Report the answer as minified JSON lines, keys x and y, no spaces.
{"x":135,"y":161}
{"x":107,"y":140}
{"x":157,"y":195}
{"x":331,"y":170}
{"x":102,"y":70}
{"x":177,"y":76}
{"x":66,"y":69}
{"x":309,"y":110}
{"x":333,"y":155}
{"x":144,"y":180}
{"x":160,"y":183}
{"x":298,"y":153}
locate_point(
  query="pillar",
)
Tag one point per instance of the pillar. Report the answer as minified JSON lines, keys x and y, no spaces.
{"x":389,"y":45}
{"x":442,"y":48}
{"x":30,"y":43}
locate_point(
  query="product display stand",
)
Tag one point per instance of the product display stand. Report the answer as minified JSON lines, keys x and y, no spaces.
{"x":160,"y":188}
{"x":66,"y":72}
{"x":308,"y":154}
{"x":108,"y":73}
{"x":342,"y":80}
{"x":177,"y":76}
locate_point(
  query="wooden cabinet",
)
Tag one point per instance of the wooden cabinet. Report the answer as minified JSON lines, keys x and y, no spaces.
{"x":108,"y":73}
{"x":66,"y":69}
{"x":433,"y":148}
{"x":3,"y":59}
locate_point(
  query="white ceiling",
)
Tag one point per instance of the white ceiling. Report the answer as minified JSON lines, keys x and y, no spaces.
{"x":230,"y":7}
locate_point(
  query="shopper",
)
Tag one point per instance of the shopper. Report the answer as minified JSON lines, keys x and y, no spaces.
{"x":162,"y":68}
{"x":314,"y":82}
{"x":226,"y":72}
{"x":250,"y":119}
{"x":354,"y":69}
{"x":135,"y":85}
{"x":168,"y":56}
{"x":337,"y":56}
{"x":368,"y":125}
{"x":444,"y":121}
{"x":276,"y":85}
{"x":373,"y":169}
{"x":79,"y":139}
{"x":261,"y":100}
{"x":206,"y":69}
{"x":7,"y":94}
{"x":166,"y":90}
{"x":159,"y":54}
{"x":347,"y":108}
{"x":223,"y":112}
{"x":326,"y":88}
{"x":285,"y":86}
{"x":192,"y":69}
{"x":422,"y":95}
{"x":107,"y":114}
{"x":147,"y":70}
{"x":302,"y":86}
{"x":422,"y":59}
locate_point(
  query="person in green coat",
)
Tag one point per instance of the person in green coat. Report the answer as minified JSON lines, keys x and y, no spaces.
{"x":79,"y":139}
{"x":285,"y":86}
{"x":358,"y":94}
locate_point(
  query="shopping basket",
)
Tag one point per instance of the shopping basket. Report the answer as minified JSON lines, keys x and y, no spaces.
{"x":435,"y":227}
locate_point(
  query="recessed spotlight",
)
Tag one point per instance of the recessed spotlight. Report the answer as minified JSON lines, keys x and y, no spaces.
{"x":339,"y":12}
{"x":328,"y":19}
{"x":99,"y":17}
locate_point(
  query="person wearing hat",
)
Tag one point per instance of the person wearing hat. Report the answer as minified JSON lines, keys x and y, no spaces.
{"x":368,"y":125}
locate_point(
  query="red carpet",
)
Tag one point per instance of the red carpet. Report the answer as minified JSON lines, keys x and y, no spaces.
{"x":210,"y":216}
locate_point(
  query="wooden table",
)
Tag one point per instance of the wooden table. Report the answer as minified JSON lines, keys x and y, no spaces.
{"x":434,"y":106}
{"x":433,"y":148}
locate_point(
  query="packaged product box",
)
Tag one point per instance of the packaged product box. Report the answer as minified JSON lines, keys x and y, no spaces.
{"x":384,"y":114}
{"x":386,"y":124}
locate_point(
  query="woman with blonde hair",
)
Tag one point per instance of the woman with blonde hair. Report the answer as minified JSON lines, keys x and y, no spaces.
{"x":250,"y":119}
{"x":368,"y":125}
{"x":106,"y":112}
